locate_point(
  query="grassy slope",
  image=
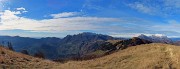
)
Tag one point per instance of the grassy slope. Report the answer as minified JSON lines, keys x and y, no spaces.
{"x":13,"y":60}
{"x":149,"y":56}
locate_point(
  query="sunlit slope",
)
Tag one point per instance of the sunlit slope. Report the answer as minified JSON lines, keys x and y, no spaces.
{"x":13,"y":60}
{"x":149,"y":56}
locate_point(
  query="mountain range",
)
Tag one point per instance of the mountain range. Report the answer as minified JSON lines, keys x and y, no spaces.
{"x":53,"y":48}
{"x":83,"y":45}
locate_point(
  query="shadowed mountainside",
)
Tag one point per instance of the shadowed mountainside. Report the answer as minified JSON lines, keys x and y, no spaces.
{"x":53,"y":48}
{"x":32,"y":45}
{"x":80,"y":44}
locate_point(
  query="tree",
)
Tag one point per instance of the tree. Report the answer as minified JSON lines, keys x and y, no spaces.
{"x":39,"y":54}
{"x":10,"y":47}
{"x":25,"y":52}
{"x":2,"y":43}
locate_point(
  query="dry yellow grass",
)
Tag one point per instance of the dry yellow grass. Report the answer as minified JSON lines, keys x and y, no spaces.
{"x":13,"y":60}
{"x":148,"y":56}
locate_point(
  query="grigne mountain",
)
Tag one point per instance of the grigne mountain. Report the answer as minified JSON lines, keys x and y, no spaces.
{"x":89,"y":51}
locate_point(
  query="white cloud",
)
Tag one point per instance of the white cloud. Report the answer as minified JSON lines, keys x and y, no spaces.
{"x":21,"y":9}
{"x":64,"y":14}
{"x":128,"y":35}
{"x":10,"y":21}
{"x":8,"y":15}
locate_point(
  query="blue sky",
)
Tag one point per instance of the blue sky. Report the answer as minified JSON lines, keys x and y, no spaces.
{"x":118,"y":18}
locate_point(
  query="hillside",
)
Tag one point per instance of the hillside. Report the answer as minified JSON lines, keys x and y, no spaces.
{"x":13,"y":60}
{"x":32,"y":45}
{"x":148,"y":56}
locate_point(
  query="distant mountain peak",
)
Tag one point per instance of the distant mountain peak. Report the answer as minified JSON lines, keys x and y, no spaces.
{"x":155,"y":35}
{"x":159,"y":35}
{"x":90,"y":33}
{"x":87,"y":33}
{"x":142,"y":35}
{"x":157,"y":38}
{"x":86,"y":36}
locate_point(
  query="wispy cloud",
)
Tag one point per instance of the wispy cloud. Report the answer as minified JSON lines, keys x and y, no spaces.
{"x":76,"y":22}
{"x":172,"y":25}
{"x":172,"y":3}
{"x":10,"y":20}
{"x":2,"y":4}
{"x":157,"y":7}
{"x":133,"y":34}
{"x":143,"y":8}
{"x":64,"y":14}
{"x":21,"y":9}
